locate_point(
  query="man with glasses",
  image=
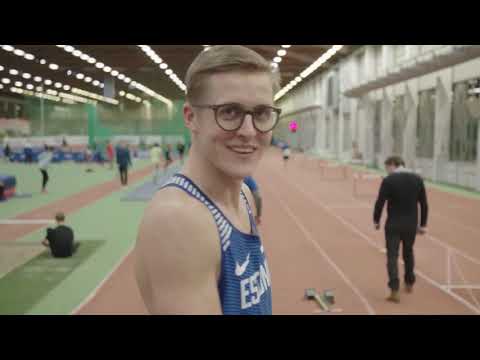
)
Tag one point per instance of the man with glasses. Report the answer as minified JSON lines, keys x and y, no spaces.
{"x":198,"y":249}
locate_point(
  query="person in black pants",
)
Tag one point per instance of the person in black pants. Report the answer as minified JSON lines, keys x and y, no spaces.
{"x":61,"y":240}
{"x":2,"y":192}
{"x":7,"y":152}
{"x":404,"y":191}
{"x":124,"y":161}
{"x":181,"y":151}
{"x":168,"y":156}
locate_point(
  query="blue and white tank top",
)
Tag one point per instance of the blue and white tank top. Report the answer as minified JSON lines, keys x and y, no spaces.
{"x":245,"y":282}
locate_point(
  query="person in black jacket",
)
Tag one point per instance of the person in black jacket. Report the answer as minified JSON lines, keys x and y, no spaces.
{"x":404,"y":191}
{"x":61,"y":239}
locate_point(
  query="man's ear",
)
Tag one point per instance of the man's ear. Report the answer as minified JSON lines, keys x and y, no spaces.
{"x":191,"y":120}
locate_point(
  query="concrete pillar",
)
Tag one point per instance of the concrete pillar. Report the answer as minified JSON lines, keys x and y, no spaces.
{"x":443,"y":109}
{"x":368,"y":121}
{"x":477,"y":177}
{"x":369,"y":63}
{"x":388,"y":57}
{"x":410,"y":132}
{"x":387,"y":119}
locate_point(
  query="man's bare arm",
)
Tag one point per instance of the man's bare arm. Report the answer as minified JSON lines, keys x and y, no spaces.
{"x":177,"y":257}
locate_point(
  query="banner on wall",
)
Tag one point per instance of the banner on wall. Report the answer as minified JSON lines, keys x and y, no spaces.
{"x":15,"y":126}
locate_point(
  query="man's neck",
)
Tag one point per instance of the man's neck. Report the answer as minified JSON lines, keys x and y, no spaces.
{"x":219,"y":187}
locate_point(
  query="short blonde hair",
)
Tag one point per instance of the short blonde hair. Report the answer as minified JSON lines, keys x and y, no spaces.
{"x":226,"y":58}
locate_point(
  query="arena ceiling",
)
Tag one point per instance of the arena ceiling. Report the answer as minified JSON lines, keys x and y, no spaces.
{"x":156,"y":68}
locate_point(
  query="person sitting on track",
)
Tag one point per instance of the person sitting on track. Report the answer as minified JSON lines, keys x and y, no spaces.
{"x":198,"y":248}
{"x":404,"y":191}
{"x":61,"y":240}
{"x":252,"y":185}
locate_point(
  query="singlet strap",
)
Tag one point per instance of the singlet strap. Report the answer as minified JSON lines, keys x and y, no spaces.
{"x":253,"y":223}
{"x":224,"y":227}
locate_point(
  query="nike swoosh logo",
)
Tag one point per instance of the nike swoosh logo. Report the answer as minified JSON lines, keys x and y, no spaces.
{"x":240,"y":270}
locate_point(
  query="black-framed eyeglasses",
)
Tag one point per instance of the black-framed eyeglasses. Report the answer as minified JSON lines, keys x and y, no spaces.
{"x":230,"y":117}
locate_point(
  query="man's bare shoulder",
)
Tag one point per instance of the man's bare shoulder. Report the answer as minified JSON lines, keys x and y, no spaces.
{"x":173,"y":218}
{"x":178,"y":256}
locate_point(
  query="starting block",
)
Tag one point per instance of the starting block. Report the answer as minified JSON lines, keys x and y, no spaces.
{"x":325,"y":301}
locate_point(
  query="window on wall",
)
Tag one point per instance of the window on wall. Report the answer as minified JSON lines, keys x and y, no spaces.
{"x":464,"y":122}
{"x":330,"y":91}
{"x":377,"y":50}
{"x":360,"y":59}
{"x":426,"y":124}
{"x":400,"y":52}
{"x":377,"y":127}
{"x":398,"y":126}
{"x":327,"y":131}
{"x":11,"y":109}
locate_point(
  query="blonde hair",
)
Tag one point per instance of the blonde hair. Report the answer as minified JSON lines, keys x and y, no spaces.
{"x":226,"y":58}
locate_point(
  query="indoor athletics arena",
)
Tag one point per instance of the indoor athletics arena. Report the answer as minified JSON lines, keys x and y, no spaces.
{"x":122,"y":191}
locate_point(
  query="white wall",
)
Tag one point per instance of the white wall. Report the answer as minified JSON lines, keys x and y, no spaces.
{"x":367,"y":64}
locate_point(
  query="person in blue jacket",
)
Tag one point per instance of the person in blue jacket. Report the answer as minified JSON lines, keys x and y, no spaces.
{"x":124,"y":161}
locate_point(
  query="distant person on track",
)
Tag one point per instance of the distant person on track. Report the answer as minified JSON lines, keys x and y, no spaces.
{"x":181,"y":152}
{"x":198,"y":249}
{"x":168,"y":156}
{"x":124,"y":162}
{"x":2,"y":192}
{"x":404,"y":191}
{"x":44,"y":161}
{"x":7,"y":152}
{"x":252,"y":185}
{"x":61,"y":240}
{"x":28,"y":152}
{"x":286,"y":153}
{"x":110,"y":154}
{"x":89,"y":159}
{"x":155,"y":157}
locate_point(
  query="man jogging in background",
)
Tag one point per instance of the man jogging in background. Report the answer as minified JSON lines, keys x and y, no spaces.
{"x":404,"y":191}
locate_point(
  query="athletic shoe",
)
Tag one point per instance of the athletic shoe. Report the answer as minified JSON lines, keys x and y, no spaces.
{"x":394,"y":297}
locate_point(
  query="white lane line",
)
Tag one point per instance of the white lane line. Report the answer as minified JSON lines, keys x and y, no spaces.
{"x":465,"y":282}
{"x":310,"y":238}
{"x":102,"y":283}
{"x":26,"y":222}
{"x":373,"y":244}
